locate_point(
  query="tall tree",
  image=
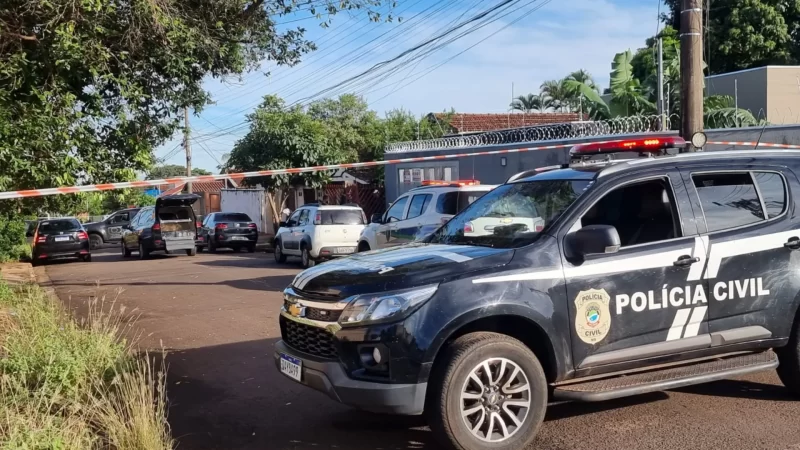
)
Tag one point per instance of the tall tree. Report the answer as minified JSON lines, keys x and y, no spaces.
{"x":743,"y":34}
{"x":353,"y":127}
{"x":280,"y":138}
{"x":173,"y":170}
{"x":89,"y":88}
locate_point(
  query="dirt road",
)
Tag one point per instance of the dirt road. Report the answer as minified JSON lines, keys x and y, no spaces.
{"x":217,"y":316}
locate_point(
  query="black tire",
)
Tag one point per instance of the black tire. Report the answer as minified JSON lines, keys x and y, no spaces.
{"x":251,"y":248}
{"x":143,"y":252}
{"x":36,"y":262}
{"x":305,"y":258}
{"x":280,"y":258}
{"x":363,"y":247}
{"x":211,"y":247}
{"x":451,"y":375}
{"x":86,"y":258}
{"x":199,"y":249}
{"x":191,"y":251}
{"x":95,"y":241}
{"x":789,"y":357}
{"x":124,"y":250}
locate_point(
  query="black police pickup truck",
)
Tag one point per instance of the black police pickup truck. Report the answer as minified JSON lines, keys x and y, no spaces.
{"x":109,"y":230}
{"x":652,"y":272}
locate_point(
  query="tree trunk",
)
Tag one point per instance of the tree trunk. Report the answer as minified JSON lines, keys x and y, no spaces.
{"x":277,"y":201}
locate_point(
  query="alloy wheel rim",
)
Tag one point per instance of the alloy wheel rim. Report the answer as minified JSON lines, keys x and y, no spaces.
{"x":495,"y":400}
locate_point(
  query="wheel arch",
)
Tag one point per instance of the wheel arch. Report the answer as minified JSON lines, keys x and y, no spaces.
{"x":97,"y":233}
{"x":529,"y":330}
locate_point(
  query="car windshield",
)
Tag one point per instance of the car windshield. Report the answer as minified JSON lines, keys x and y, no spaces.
{"x":511,"y":215}
{"x":55,"y":226}
{"x":342,"y":217}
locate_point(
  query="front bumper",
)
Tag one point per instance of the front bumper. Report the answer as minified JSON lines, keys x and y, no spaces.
{"x":329,"y":377}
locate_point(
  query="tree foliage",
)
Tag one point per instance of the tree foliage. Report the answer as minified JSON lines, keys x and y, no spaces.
{"x":89,"y":88}
{"x":720,"y":112}
{"x":628,"y":97}
{"x":173,"y":170}
{"x":743,"y":34}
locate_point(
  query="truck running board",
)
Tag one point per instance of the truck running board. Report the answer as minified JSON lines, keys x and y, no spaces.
{"x":667,"y":378}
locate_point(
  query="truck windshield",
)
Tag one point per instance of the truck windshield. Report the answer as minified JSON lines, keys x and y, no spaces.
{"x":511,"y":215}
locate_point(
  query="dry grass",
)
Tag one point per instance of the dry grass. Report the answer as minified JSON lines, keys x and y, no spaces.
{"x":65,"y":385}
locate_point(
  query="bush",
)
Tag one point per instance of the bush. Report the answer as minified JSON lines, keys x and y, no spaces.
{"x":65,"y":385}
{"x":13,"y":243}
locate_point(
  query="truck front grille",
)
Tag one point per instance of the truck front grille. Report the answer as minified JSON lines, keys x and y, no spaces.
{"x":306,"y":338}
{"x":323,"y":315}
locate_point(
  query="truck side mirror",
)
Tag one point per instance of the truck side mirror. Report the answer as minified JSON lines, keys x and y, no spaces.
{"x":595,"y":239}
{"x":376,"y":218}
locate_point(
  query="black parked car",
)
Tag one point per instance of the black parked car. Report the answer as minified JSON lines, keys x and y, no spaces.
{"x":228,"y":230}
{"x":110,"y":229}
{"x":169,"y":226}
{"x":60,"y":238}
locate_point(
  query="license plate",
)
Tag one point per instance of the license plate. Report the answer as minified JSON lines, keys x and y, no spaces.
{"x":62,"y":238}
{"x":291,"y":366}
{"x":239,"y":238}
{"x":345,"y":250}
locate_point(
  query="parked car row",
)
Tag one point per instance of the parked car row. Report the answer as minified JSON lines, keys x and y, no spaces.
{"x":314,"y":233}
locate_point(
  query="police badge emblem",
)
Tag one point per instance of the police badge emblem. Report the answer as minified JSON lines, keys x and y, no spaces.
{"x":593,"y":315}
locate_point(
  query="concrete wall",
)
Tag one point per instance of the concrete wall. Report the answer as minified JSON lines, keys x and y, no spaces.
{"x":489,"y":169}
{"x":752,"y":88}
{"x":783,"y":95}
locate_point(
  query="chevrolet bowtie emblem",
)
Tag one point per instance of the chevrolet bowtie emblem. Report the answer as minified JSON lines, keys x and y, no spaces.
{"x":296,"y":310}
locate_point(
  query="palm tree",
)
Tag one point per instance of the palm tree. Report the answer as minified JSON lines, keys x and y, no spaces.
{"x":559,"y":94}
{"x":586,"y":94}
{"x":584,"y":77}
{"x":531,"y":103}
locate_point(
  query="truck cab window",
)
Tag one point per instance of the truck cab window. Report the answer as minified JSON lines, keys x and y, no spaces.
{"x":641,"y":212}
{"x":729,"y":200}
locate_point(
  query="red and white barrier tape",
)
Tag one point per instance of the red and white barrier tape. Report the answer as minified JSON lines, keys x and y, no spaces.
{"x":753,"y":144}
{"x":261,"y":173}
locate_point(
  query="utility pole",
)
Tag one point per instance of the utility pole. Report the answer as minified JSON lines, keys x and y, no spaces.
{"x":188,"y":147}
{"x":691,"y":69}
{"x":661,"y":107}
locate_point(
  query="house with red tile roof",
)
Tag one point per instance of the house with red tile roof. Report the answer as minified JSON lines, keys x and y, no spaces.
{"x":460,"y":123}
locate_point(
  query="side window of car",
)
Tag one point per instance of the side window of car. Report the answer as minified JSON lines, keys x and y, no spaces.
{"x":209,"y":221}
{"x":642,"y":212}
{"x":147,"y":218}
{"x":303,"y":220}
{"x":395,"y":213}
{"x":773,"y":192}
{"x":730,"y":200}
{"x":418,"y":205}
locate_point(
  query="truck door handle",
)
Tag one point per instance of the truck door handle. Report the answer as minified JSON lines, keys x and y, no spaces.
{"x":793,"y":243}
{"x":685,"y":260}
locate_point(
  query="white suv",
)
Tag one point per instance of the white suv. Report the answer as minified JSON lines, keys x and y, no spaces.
{"x":316,"y":233}
{"x":418,"y":213}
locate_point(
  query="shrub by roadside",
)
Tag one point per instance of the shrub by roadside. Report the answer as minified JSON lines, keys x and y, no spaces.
{"x":66,"y":386}
{"x":13,"y":244}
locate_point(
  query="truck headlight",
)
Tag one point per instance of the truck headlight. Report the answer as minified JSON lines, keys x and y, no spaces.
{"x":385,"y":306}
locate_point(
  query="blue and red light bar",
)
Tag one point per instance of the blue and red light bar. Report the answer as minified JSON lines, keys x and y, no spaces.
{"x":654,"y":144}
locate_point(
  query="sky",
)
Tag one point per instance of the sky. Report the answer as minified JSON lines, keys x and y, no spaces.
{"x":529,"y":42}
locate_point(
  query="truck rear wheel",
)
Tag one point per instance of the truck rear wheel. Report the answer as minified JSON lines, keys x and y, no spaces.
{"x":789,"y":357}
{"x":95,"y":241}
{"x":488,"y":391}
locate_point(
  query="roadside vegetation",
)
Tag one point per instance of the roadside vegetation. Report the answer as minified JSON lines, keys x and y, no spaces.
{"x":70,"y":385}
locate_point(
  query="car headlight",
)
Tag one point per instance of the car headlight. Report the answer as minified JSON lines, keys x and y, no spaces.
{"x":384,"y":306}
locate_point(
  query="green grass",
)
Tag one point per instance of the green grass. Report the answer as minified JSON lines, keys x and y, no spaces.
{"x":65,"y":385}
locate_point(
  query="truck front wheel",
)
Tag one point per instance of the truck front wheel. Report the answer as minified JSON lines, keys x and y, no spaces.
{"x":789,"y":358}
{"x":488,"y":391}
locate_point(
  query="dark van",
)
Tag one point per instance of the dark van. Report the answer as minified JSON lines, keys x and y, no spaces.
{"x":170,"y":226}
